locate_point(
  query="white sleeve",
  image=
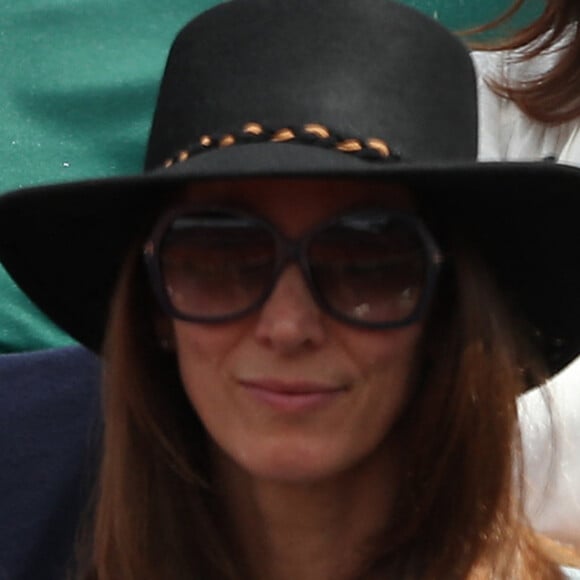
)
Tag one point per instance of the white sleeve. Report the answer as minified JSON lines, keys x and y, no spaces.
{"x":552,"y":455}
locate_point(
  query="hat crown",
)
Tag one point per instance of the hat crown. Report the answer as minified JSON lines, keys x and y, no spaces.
{"x":362,"y":68}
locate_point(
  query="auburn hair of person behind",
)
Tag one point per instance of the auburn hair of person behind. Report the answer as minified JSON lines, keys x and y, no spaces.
{"x":456,"y":516}
{"x":554,"y":95}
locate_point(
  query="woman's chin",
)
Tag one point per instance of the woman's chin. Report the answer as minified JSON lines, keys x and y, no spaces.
{"x":294,"y":464}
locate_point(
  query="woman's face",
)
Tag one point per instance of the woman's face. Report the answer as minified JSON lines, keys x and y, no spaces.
{"x":289,"y":393}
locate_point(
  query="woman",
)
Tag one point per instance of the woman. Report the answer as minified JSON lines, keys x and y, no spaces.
{"x":320,"y":308}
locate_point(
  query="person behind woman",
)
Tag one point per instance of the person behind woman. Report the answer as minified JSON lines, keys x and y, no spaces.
{"x":316,"y":309}
{"x":530,"y":86}
{"x":529,"y":89}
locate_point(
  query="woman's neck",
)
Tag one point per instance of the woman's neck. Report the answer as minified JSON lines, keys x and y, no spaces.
{"x":309,"y":530}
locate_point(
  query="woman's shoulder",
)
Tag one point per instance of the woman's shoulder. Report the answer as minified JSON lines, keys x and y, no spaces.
{"x":506,"y":132}
{"x":511,"y":66}
{"x":527,"y":62}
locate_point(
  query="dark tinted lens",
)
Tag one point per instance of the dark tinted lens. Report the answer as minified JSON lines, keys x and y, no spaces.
{"x":372,"y":273}
{"x":216,"y":265}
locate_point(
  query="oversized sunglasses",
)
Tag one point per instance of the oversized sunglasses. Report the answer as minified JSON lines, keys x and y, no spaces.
{"x":372,"y":268}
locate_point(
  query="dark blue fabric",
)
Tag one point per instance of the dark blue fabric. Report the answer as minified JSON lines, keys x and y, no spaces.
{"x":49,"y":433}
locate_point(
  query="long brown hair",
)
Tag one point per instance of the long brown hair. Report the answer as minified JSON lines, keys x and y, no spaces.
{"x":553,"y":96}
{"x":456,"y":516}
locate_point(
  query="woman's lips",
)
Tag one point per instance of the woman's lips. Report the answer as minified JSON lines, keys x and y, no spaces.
{"x":292,"y":396}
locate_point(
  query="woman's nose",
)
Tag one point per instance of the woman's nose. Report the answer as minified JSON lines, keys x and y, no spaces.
{"x":290,"y":320}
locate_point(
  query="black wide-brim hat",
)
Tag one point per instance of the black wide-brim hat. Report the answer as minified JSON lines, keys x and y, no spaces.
{"x":311,"y":88}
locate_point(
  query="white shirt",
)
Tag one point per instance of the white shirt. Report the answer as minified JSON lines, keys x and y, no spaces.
{"x":551,"y":457}
{"x":505,"y":132}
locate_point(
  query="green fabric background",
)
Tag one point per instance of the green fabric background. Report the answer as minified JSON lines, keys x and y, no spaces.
{"x":78,"y":82}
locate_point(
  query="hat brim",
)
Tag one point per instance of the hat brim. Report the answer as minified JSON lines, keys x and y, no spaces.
{"x":64,"y":244}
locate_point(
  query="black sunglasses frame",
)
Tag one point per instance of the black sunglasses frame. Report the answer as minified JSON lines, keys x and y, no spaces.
{"x":289,"y":250}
